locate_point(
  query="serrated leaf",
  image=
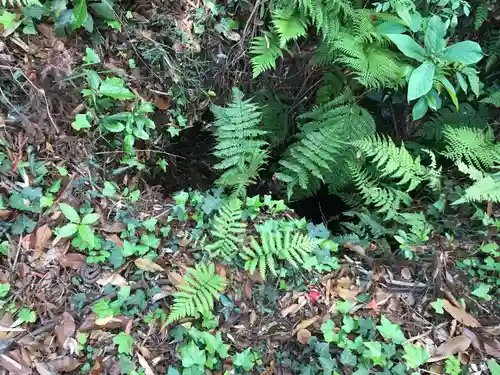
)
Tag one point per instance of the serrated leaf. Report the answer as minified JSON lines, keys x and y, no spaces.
{"x":437,"y":305}
{"x":191,"y":355}
{"x":91,"y":56}
{"x":124,"y":342}
{"x":69,"y":212}
{"x":415,"y":356}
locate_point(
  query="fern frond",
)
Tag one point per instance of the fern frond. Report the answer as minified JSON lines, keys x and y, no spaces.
{"x":238,"y":133}
{"x":394,"y":162}
{"x":264,"y":50}
{"x":485,"y":188}
{"x":472,"y":146}
{"x":480,"y":14}
{"x":196,"y":296}
{"x":228,"y":229}
{"x":493,"y":99}
{"x":288,"y":25}
{"x":294,"y":247}
{"x":14,"y":3}
{"x":492,"y":49}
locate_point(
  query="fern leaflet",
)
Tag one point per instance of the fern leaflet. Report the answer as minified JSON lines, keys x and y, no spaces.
{"x":493,"y":99}
{"x":288,"y":25}
{"x":485,"y":188}
{"x":264,"y":50}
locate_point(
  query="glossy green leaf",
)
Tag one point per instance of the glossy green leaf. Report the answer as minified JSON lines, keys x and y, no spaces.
{"x":113,"y":88}
{"x":69,"y":212}
{"x":449,"y":87}
{"x":408,"y":46}
{"x":462,"y":82}
{"x":473,"y":79}
{"x":415,"y":356}
{"x":81,"y":122}
{"x":467,"y":53}
{"x":91,"y":56}
{"x":482,"y":292}
{"x":391,"y":331}
{"x":79,"y":14}
{"x":389,"y":27}
{"x":124,"y":342}
{"x":114,"y":127}
{"x":104,"y":9}
{"x":494,"y":367}
{"x":4,"y":289}
{"x":421,"y":80}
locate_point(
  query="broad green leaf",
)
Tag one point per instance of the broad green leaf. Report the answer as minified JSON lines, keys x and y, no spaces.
{"x":67,"y":230}
{"x":26,"y":315}
{"x":79,"y":14}
{"x":7,"y":19}
{"x":467,"y":52}
{"x":244,"y":360}
{"x":124,"y":342}
{"x":81,"y":122}
{"x":93,"y":79}
{"x":434,"y":35}
{"x":69,"y":212}
{"x":462,"y":82}
{"x":109,"y":189}
{"x":391,"y":331}
{"x":90,"y":218}
{"x":421,"y":80}
{"x":113,"y":88}
{"x":449,"y":87}
{"x":191,"y":355}
{"x":419,"y":109}
{"x":482,"y":292}
{"x":328,"y":328}
{"x":91,"y":56}
{"x":415,"y":356}
{"x":473,"y":79}
{"x":348,"y":358}
{"x":114,"y":127}
{"x":86,"y":234}
{"x":104,"y":9}
{"x":408,"y":46}
{"x":437,"y":305}
{"x":389,"y":27}
{"x":4,"y":289}
{"x":494,"y":367}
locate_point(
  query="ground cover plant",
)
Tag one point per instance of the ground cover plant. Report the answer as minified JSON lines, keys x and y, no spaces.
{"x":249,"y":187}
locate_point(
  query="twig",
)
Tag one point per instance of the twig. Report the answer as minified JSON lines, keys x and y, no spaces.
{"x":149,"y":150}
{"x":18,"y":250}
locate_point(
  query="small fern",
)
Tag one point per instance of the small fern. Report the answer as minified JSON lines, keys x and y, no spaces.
{"x":14,"y":3}
{"x":264,"y":50}
{"x":492,"y":48}
{"x":480,"y":14}
{"x":485,"y":188}
{"x":239,"y":143}
{"x":227,"y":229}
{"x":288,"y":25}
{"x":472,"y":146}
{"x":196,"y":296}
{"x":285,"y":244}
{"x":493,"y":99}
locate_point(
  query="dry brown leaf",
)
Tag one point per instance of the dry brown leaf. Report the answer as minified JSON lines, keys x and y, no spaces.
{"x":65,"y":329}
{"x":306,"y":323}
{"x":256,"y":278}
{"x":145,"y":351}
{"x":145,"y":365}
{"x":453,"y":346}
{"x":44,"y":369}
{"x":112,"y":226}
{"x":148,"y":265}
{"x":13,"y":364}
{"x":113,"y":279}
{"x":406,"y":273}
{"x":74,"y":261}
{"x":88,"y":323}
{"x":247,"y":289}
{"x":116,"y":240}
{"x":175,"y":278}
{"x":221,"y":271}
{"x":97,"y":367}
{"x":163,"y":103}
{"x":304,"y":336}
{"x":461,"y":315}
{"x":6,"y":321}
{"x":4,"y":214}
{"x":492,"y":348}
{"x":347,"y":294}
{"x":42,"y":237}
{"x":294,"y":308}
{"x":28,"y":241}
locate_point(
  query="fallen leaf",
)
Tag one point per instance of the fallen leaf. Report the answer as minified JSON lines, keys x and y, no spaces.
{"x":492,"y":348}
{"x":110,"y":322}
{"x":44,"y":369}
{"x":314,"y":295}
{"x":256,"y":278}
{"x":74,"y":261}
{"x":461,"y":315}
{"x":148,"y":265}
{"x":116,"y":240}
{"x":71,"y":345}
{"x":221,"y":271}
{"x":4,"y":214}
{"x":161,"y":103}
{"x":406,"y":273}
{"x":306,"y":323}
{"x":11,"y":362}
{"x":294,"y":308}
{"x":145,"y":351}
{"x":97,"y":367}
{"x":247,"y":289}
{"x":233,"y":35}
{"x":64,"y":364}
{"x":175,"y":278}
{"x":347,"y":294}
{"x":65,"y":329}
{"x":145,"y":365}
{"x":88,"y":323}
{"x":112,"y":226}
{"x":6,"y":321}
{"x":28,"y":241}
{"x":453,"y":346}
{"x":42,"y":237}
{"x":372,"y":304}
{"x":304,"y":336}
{"x":112,"y":278}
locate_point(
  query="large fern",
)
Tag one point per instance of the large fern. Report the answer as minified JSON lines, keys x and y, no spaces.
{"x":265,"y":50}
{"x":196,"y":295}
{"x":485,"y":188}
{"x":239,"y":143}
{"x":227,"y":229}
{"x":472,"y":146}
{"x":492,"y":48}
{"x":288,"y":25}
{"x":289,"y":245}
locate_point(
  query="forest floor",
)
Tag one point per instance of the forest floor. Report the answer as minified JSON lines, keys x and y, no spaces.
{"x":57,"y":304}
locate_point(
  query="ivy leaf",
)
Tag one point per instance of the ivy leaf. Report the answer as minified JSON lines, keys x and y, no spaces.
{"x":415,"y":356}
{"x":90,"y":218}
{"x":408,"y":46}
{"x":81,"y":122}
{"x":438,"y":305}
{"x":67,"y":230}
{"x":482,"y":292}
{"x":345,"y":307}
{"x":434,"y":35}
{"x":421,"y":80}
{"x":328,"y":328}
{"x":79,"y":14}
{"x":109,"y":189}
{"x":348,"y":358}
{"x":113,"y":88}
{"x":214,"y":344}
{"x":26,"y":315}
{"x":391,"y":331}
{"x":349,"y":324}
{"x":124,"y":342}
{"x":244,"y":360}
{"x":91,"y":57}
{"x":7,"y":19}
{"x":191,"y":355}
{"x":70,"y":213}
{"x":87,"y":234}
{"x":466,"y":52}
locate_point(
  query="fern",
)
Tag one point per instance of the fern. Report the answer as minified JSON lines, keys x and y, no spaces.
{"x":472,"y":146}
{"x":196,"y":296}
{"x":493,"y":99}
{"x":289,"y":245}
{"x":320,"y":154}
{"x":485,"y":188}
{"x":264,"y":50}
{"x":480,"y":14}
{"x":393,"y":162}
{"x":238,"y":142}
{"x":227,"y":229}
{"x":492,"y":48}
{"x":288,"y":25}
{"x":14,"y":3}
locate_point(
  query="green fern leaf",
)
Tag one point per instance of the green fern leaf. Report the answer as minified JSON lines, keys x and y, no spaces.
{"x":264,"y":50}
{"x":196,"y":296}
{"x":480,"y":15}
{"x":288,"y":25}
{"x":493,"y":99}
{"x":228,"y":230}
{"x":14,"y":3}
{"x":485,"y":188}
